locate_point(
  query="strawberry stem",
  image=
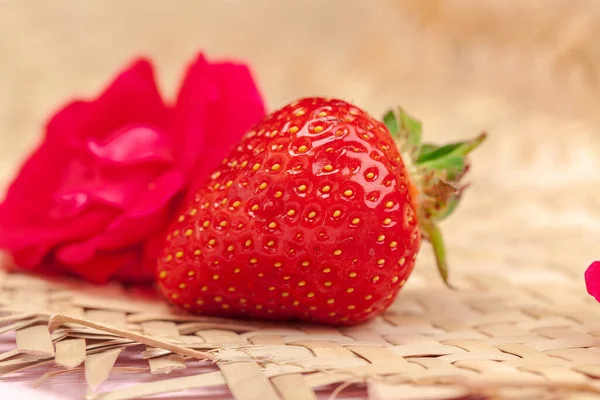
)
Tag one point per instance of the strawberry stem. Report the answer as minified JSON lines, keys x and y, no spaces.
{"x":434,"y":236}
{"x":436,"y":173}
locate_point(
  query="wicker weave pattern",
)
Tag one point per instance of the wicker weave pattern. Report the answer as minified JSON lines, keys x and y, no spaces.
{"x":489,"y":337}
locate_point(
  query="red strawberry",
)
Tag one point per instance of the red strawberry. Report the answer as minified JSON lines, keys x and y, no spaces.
{"x":314,"y":215}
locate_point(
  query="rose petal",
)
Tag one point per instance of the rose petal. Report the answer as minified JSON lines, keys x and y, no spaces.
{"x":216,"y":105}
{"x":75,"y":253}
{"x":148,"y":215}
{"x":114,"y":187}
{"x":134,"y":272}
{"x":41,"y":172}
{"x":104,"y":265}
{"x":45,"y":267}
{"x":131,"y":145}
{"x":58,"y":196}
{"x":592,"y":280}
{"x":35,"y":240}
{"x":153,"y":249}
{"x":131,"y":98}
{"x":31,"y":258}
{"x":131,"y":227}
{"x":31,"y":245}
{"x":125,"y":264}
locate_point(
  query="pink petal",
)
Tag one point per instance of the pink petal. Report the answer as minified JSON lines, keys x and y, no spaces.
{"x":61,"y":194}
{"x":132,"y":97}
{"x":104,"y":265}
{"x":75,"y":253}
{"x":132,"y":227}
{"x":134,"y":272}
{"x":132,"y":144}
{"x":147,"y":215}
{"x":114,"y":187}
{"x":153,"y":249}
{"x":592,"y":280}
{"x":17,"y":237}
{"x":216,"y":105}
{"x":35,"y":240}
{"x":32,"y":188}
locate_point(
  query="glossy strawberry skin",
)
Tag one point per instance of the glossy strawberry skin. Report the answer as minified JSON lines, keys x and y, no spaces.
{"x":311,"y":217}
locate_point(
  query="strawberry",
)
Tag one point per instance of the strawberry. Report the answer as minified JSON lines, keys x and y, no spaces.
{"x":318,"y":214}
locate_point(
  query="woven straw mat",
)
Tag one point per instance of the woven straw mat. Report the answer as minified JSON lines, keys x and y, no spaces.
{"x":520,"y":325}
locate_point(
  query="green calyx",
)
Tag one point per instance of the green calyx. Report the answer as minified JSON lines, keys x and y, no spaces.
{"x":436,"y":173}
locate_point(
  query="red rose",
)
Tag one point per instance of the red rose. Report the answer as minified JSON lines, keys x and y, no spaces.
{"x":592,"y":280}
{"x":99,"y":190}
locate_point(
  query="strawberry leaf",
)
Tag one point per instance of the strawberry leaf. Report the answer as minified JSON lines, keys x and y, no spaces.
{"x":389,"y":119}
{"x":460,"y":149}
{"x":412,"y":126}
{"x":449,"y":209}
{"x":404,"y":128}
{"x":453,"y":166}
{"x":426,"y":148}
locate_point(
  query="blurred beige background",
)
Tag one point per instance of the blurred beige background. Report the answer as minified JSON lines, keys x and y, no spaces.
{"x":528,"y":72}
